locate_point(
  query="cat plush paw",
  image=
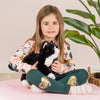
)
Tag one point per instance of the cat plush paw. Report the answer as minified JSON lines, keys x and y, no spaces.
{"x":51,"y":75}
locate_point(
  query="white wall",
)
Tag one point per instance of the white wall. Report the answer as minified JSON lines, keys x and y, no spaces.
{"x":17,"y":24}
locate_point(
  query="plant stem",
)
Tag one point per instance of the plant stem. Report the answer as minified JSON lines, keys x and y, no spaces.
{"x":95,"y":7}
{"x":98,"y":51}
{"x":89,"y":13}
{"x":99,"y":4}
{"x":95,"y":23}
{"x":85,"y":7}
{"x":95,"y":49}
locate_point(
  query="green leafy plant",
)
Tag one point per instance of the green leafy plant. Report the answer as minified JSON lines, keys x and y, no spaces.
{"x":91,"y":30}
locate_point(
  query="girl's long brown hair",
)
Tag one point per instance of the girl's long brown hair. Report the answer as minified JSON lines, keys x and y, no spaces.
{"x":38,"y":36}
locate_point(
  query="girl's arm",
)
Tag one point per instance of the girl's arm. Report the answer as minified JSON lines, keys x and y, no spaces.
{"x":69,"y":65}
{"x":16,"y":60}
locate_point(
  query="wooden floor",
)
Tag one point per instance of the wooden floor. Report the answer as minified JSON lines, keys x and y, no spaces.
{"x":9,"y":76}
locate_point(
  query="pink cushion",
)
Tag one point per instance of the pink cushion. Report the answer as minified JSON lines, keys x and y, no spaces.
{"x":14,"y":90}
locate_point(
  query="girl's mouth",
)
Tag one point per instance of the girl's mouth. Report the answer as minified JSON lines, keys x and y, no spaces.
{"x":51,"y":32}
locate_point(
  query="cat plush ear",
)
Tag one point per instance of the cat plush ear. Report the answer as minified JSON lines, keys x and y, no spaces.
{"x":51,"y":42}
{"x":42,"y":46}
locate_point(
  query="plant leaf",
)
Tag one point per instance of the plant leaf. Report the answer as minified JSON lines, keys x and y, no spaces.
{"x":81,"y":39}
{"x":93,"y":4}
{"x":68,"y":33}
{"x":96,"y":32}
{"x":78,"y":25}
{"x":90,"y":3}
{"x":81,"y":13}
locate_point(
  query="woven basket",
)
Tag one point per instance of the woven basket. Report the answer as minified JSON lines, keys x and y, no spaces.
{"x":92,"y":79}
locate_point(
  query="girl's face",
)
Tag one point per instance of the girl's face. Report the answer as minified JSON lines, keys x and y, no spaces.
{"x":50,"y":27}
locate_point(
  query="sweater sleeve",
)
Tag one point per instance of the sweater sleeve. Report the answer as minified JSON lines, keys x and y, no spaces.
{"x":68,"y":65}
{"x":16,"y":60}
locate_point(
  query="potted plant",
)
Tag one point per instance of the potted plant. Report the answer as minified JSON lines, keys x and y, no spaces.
{"x":89,"y":29}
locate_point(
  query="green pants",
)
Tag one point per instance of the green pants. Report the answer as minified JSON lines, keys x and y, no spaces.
{"x":61,"y":84}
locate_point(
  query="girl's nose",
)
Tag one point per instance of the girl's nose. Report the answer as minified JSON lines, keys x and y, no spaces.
{"x":50,"y":26}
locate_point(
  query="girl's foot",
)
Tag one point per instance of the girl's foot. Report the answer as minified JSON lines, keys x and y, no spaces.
{"x":25,"y":83}
{"x":36,"y":90}
{"x":82,"y":89}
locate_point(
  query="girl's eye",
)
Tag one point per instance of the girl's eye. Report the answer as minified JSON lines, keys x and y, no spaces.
{"x":55,"y":23}
{"x":45,"y":23}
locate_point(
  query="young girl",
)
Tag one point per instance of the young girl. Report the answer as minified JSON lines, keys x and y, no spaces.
{"x":50,"y":26}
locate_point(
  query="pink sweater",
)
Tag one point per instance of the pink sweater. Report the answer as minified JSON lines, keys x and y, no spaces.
{"x":19,"y":66}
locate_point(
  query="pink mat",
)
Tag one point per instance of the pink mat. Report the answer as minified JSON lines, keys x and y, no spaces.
{"x":14,"y":90}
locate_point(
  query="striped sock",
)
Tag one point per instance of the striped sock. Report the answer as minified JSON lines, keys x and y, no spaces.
{"x":79,"y":90}
{"x":25,"y":83}
{"x":36,"y":90}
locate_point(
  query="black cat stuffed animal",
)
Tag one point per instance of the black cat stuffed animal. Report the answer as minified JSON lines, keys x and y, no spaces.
{"x":48,"y":53}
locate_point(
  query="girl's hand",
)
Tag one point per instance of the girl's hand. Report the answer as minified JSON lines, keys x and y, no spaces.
{"x":56,"y":66}
{"x":34,"y":66}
